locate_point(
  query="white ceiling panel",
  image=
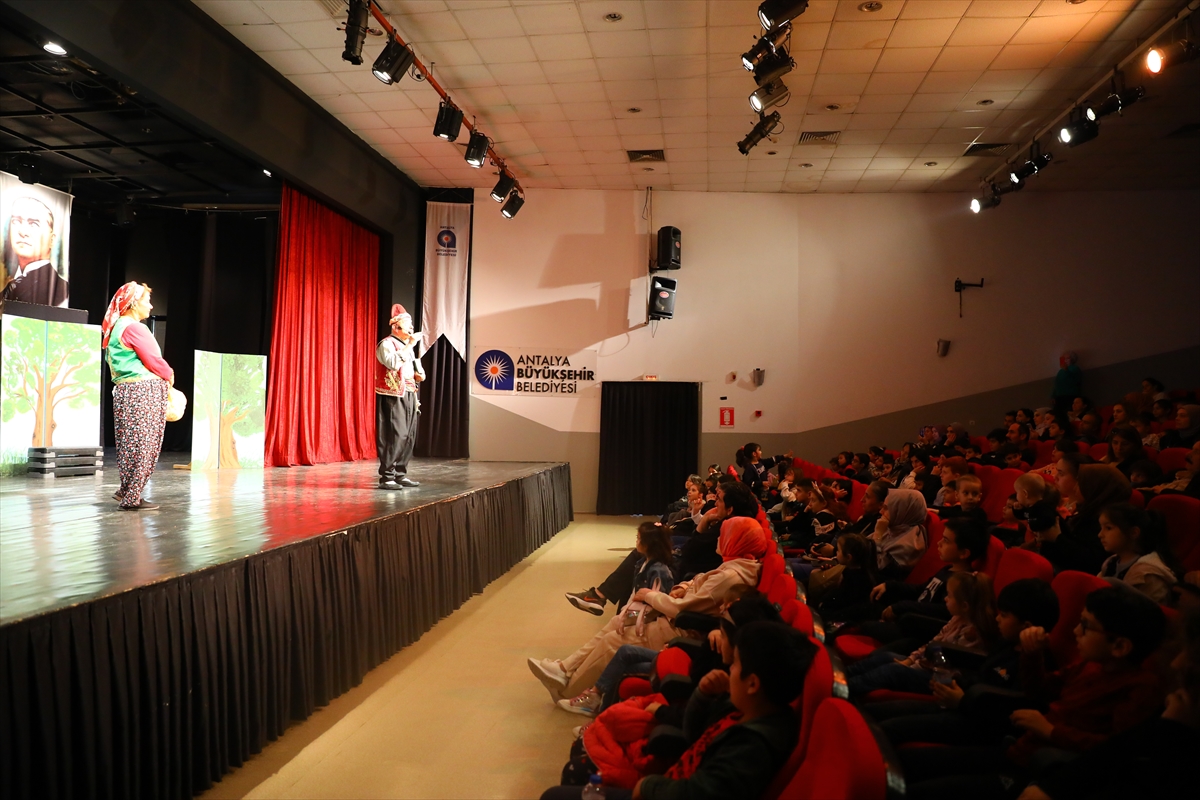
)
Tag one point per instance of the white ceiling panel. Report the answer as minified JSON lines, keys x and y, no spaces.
{"x":565,"y":88}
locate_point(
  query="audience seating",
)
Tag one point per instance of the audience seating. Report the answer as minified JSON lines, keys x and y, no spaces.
{"x":995,"y":551}
{"x":782,"y":590}
{"x":772,"y":567}
{"x":1137,"y":498}
{"x":1045,"y":454}
{"x":1018,"y":564}
{"x":845,"y":759}
{"x":854,"y":507}
{"x":1171,"y":460}
{"x":929,"y":563}
{"x":1098,"y":450}
{"x":997,"y":486}
{"x":981,"y":443}
{"x":818,"y":687}
{"x":1072,"y":589}
{"x":1182,"y":515}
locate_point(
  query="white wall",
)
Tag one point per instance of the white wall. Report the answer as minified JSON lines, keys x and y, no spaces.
{"x":840,"y":298}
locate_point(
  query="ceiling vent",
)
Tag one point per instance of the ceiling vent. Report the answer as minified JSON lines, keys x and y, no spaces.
{"x":638,"y":156}
{"x":825,"y":137}
{"x":336,"y":8}
{"x":988,"y":149}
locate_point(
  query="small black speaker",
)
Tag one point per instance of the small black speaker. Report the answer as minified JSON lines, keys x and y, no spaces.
{"x":668,"y":248}
{"x":662,"y":297}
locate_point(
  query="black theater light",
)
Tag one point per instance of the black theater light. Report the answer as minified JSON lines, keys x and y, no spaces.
{"x":771,"y":94}
{"x":503,"y":186}
{"x":477,"y":147}
{"x":393,"y":62}
{"x":1078,"y":129}
{"x":1115,"y":103}
{"x":1036,"y":163}
{"x":773,"y":13}
{"x":989,"y":199}
{"x":356,"y":31}
{"x":759,"y":132}
{"x":512,"y":206}
{"x":768,"y":43}
{"x":54,"y":49}
{"x":1160,"y":58}
{"x":449,"y":121}
{"x":773,"y":66}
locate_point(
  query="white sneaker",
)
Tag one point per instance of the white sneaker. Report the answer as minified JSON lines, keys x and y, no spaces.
{"x":586,"y":704}
{"x":578,"y":730}
{"x":551,"y":674}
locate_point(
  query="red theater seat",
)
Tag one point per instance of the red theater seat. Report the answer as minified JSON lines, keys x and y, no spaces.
{"x":1099,"y":450}
{"x":1182,"y":514}
{"x":1018,"y":564}
{"x":1172,"y":460}
{"x":845,"y":759}
{"x":782,"y":590}
{"x":1045,"y":454}
{"x":854,"y":507}
{"x":1072,"y":589}
{"x":818,"y":687}
{"x":772,"y":567}
{"x":995,"y":552}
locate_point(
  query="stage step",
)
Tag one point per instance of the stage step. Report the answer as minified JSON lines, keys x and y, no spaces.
{"x":70,"y":461}
{"x":52,"y":453}
{"x":63,"y":472}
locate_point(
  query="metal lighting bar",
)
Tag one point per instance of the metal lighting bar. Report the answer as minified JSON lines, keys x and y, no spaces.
{"x":495,"y":157}
{"x":1146,"y":44}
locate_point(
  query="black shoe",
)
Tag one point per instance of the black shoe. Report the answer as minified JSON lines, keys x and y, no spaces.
{"x":587,"y":601}
{"x":391,"y":486}
{"x":409,"y":482}
{"x":142,"y":506}
{"x":117,"y":495}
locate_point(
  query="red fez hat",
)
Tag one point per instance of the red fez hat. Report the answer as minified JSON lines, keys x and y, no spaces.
{"x":397,"y":312}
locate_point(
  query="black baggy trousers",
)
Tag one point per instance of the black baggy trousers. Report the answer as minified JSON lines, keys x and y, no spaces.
{"x":395,"y":433}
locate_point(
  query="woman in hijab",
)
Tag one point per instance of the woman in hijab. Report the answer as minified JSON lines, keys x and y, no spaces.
{"x":143,"y":380}
{"x":900,"y":537}
{"x":1074,"y":543}
{"x":742,"y":546}
{"x":1187,"y":428}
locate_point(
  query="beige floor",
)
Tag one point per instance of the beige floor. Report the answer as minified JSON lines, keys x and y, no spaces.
{"x":458,"y":714}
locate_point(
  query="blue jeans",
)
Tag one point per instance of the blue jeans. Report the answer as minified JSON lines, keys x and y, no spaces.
{"x":628,"y":660}
{"x":880,"y":671}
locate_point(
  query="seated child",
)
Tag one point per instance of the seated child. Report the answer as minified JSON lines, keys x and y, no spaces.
{"x":856,"y":555}
{"x":1144,"y":424}
{"x":740,"y":723}
{"x":1010,"y":455}
{"x":1107,"y":690}
{"x":971,"y":453}
{"x":1140,"y":556}
{"x":951,"y":470}
{"x":970,"y":494}
{"x":1034,"y":497}
{"x":1144,"y":474}
{"x":972,"y":624}
{"x":957,"y":718}
{"x":962,"y":543}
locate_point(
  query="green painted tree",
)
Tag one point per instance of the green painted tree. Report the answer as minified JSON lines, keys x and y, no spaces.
{"x":243,"y":403}
{"x":47,"y":367}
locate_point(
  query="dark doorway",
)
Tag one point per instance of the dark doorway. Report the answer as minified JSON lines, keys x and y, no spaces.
{"x":649,"y":443}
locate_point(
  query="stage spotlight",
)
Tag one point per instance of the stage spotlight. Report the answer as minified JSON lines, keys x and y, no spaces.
{"x":477,"y":147}
{"x":356,"y":31}
{"x":54,"y":49}
{"x":1078,"y":130}
{"x":267,"y":172}
{"x":773,"y":66}
{"x":449,"y":121}
{"x":768,"y":43}
{"x":503,"y":186}
{"x":989,"y":199}
{"x":773,"y":13}
{"x":1033,"y":166}
{"x":393,"y":62}
{"x":760,"y":131}
{"x":772,"y":94}
{"x":1115,"y":103}
{"x":510,"y":208}
{"x":1160,"y":58}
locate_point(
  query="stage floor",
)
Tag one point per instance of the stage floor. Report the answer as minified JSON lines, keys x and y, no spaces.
{"x":63,"y":540}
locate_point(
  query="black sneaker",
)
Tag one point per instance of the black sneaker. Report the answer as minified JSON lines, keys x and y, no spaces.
{"x":587,"y":601}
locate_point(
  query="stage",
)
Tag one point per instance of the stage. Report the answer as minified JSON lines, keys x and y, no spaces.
{"x":143,"y":654}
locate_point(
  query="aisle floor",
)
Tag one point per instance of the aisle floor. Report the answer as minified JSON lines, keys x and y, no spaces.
{"x":458,"y":714}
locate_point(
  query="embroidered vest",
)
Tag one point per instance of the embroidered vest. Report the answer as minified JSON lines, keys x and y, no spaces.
{"x":394,"y":382}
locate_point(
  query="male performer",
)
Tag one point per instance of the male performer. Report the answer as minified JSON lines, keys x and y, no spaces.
{"x":28,"y":249}
{"x":396,"y":406}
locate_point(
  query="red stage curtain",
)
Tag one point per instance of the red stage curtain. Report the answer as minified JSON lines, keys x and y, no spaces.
{"x":320,"y":387}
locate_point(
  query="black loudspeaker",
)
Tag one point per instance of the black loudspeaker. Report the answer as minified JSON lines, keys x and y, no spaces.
{"x":668,"y":248}
{"x":662,"y":297}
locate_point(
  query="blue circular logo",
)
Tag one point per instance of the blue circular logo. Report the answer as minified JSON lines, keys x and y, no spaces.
{"x":495,"y":370}
{"x":447,"y":239}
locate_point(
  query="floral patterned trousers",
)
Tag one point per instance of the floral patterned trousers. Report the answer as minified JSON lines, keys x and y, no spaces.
{"x":140,"y":415}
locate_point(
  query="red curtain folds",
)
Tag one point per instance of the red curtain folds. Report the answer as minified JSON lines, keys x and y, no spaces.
{"x":320,"y":387}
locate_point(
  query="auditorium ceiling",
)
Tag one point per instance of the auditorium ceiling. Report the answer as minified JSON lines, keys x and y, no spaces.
{"x":904,"y":87}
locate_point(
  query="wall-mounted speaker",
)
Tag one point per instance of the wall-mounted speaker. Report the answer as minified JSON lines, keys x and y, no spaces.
{"x":662,"y":297}
{"x":668,"y":248}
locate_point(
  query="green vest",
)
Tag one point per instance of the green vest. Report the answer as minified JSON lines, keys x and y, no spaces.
{"x":123,"y":362}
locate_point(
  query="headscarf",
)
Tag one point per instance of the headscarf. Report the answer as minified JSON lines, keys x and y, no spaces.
{"x":1101,"y":485}
{"x":906,"y":510}
{"x":905,"y":540}
{"x":741,"y":537}
{"x":398,"y":313}
{"x":1193,"y":428}
{"x":121,"y":302}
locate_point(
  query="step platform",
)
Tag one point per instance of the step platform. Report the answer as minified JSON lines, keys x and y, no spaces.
{"x":62,"y":462}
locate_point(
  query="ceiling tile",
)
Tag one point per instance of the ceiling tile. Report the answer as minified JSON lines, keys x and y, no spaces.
{"x":679,"y":66}
{"x":921,"y":119}
{"x":849,"y":61}
{"x":631,"y":90}
{"x":505,"y":51}
{"x":240,"y":14}
{"x":944,"y":82}
{"x":294,"y":62}
{"x":921,"y":32}
{"x":675,"y":14}
{"x":489,"y":23}
{"x":618,"y":44}
{"x":1046,"y":30}
{"x":294,"y":11}
{"x":984,"y":31}
{"x":883,"y":103}
{"x":894,"y":83}
{"x":434,"y":27}
{"x":1005,"y":80}
{"x":840,"y":84}
{"x":907,"y":59}
{"x":857,"y":35}
{"x":934,"y":102}
{"x":811,"y":36}
{"x":593,"y":13}
{"x":934,"y":9}
{"x":553,"y":18}
{"x":587,"y":111}
{"x":261,"y":38}
{"x":687,"y":89}
{"x":872,"y":121}
{"x":957,"y":59}
{"x":679,"y":42}
{"x":627,"y":69}
{"x":1002,"y":8}
{"x":584,"y":92}
{"x":573,"y":70}
{"x":457,"y":53}
{"x":732,"y":40}
{"x":517,"y":74}
{"x":1026,"y":56}
{"x":562,"y":46}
